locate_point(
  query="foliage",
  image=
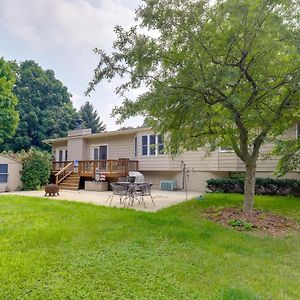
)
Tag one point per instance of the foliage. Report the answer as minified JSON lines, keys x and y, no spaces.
{"x":90,"y":118}
{"x":8,"y":101}
{"x":289,"y":153}
{"x":44,"y":107}
{"x":12,"y":155}
{"x":125,"y":128}
{"x":226,"y":73}
{"x":54,"y":248}
{"x":263,"y":186}
{"x":36,"y":169}
{"x":240,"y":223}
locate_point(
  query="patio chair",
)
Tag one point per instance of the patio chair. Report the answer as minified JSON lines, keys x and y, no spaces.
{"x":118,"y":190}
{"x":144,"y":190}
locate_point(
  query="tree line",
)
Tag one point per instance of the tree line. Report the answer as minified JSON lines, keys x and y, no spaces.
{"x":34,"y":106}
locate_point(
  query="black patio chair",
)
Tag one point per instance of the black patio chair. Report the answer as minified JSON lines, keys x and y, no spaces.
{"x":119,"y":190}
{"x":144,"y":190}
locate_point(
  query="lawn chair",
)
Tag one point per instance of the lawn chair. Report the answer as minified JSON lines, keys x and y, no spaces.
{"x":119,"y":190}
{"x":144,"y":190}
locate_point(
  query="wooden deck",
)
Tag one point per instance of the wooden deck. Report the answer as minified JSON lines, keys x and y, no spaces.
{"x":88,"y":168}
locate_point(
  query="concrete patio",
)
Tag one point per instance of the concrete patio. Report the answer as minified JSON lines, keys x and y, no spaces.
{"x":162,"y":199}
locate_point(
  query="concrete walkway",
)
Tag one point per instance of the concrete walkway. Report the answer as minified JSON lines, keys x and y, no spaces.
{"x":162,"y":199}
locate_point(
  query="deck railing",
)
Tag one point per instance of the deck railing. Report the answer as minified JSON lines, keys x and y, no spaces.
{"x":90,"y":167}
{"x":86,"y":167}
{"x":64,"y":172}
{"x":58,"y":165}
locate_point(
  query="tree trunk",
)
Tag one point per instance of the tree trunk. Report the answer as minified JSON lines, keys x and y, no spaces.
{"x":249,"y":187}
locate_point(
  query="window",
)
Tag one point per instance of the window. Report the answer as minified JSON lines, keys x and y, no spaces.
{"x":60,"y":155}
{"x":99,"y":152}
{"x":145,"y":145}
{"x":152,"y":145}
{"x":160,"y":143}
{"x":135,"y":146}
{"x":152,"y":148}
{"x":3,"y":172}
{"x":96,"y":153}
{"x":226,"y":149}
{"x":103,"y":152}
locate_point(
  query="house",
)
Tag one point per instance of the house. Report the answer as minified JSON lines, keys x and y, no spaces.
{"x":81,"y":154}
{"x":10,"y":173}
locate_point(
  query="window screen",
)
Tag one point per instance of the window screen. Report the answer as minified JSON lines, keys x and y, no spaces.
{"x":3,"y":172}
{"x":144,"y":145}
{"x":135,"y":146}
{"x":160,"y":145}
{"x":152,"y":145}
{"x":96,"y":153}
{"x":4,"y":168}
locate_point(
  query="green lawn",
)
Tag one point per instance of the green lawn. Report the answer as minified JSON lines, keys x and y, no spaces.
{"x":63,"y":250}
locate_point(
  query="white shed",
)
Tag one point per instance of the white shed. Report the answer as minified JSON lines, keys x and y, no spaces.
{"x":10,"y":173}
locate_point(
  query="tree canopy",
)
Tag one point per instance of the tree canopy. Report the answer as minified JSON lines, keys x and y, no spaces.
{"x":289,"y":156}
{"x":90,"y":118}
{"x":226,"y":73}
{"x":45,"y":108}
{"x":8,"y":101}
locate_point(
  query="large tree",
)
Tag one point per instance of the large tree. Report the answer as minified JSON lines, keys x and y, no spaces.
{"x":8,"y":101}
{"x":44,"y":107}
{"x":90,"y":118}
{"x":226,"y":73}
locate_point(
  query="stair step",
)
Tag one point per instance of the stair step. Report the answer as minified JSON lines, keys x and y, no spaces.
{"x":71,"y":180}
{"x":69,"y":183}
{"x":69,"y":188}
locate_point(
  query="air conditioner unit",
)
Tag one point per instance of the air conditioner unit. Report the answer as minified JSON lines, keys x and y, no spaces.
{"x":168,"y":185}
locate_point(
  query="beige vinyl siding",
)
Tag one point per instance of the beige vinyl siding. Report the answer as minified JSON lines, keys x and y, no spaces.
{"x":14,"y":177}
{"x":117,"y":146}
{"x":57,"y":146}
{"x":76,"y":149}
{"x":196,"y":180}
{"x":200,"y":161}
{"x":196,"y":160}
{"x":122,"y":146}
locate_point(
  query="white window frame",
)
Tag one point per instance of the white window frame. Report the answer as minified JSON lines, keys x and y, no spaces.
{"x":148,"y":146}
{"x":98,"y":146}
{"x":63,"y":149}
{"x":7,"y":174}
{"x":226,"y":150}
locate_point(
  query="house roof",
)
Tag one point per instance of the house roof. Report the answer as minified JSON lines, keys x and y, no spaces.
{"x":11,"y":158}
{"x":101,"y":134}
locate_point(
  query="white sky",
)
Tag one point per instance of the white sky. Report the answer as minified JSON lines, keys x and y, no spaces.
{"x":60,"y":35}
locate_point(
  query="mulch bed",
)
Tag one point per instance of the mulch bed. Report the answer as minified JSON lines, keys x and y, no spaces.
{"x":261,"y":221}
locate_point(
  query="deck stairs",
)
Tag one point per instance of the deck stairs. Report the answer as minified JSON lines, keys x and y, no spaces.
{"x":70,"y":183}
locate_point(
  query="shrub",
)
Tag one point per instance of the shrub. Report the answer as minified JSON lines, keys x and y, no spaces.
{"x":241,"y":224}
{"x":263,"y":186}
{"x":36,"y":169}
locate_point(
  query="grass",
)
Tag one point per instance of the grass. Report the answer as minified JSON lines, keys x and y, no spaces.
{"x":63,"y":250}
